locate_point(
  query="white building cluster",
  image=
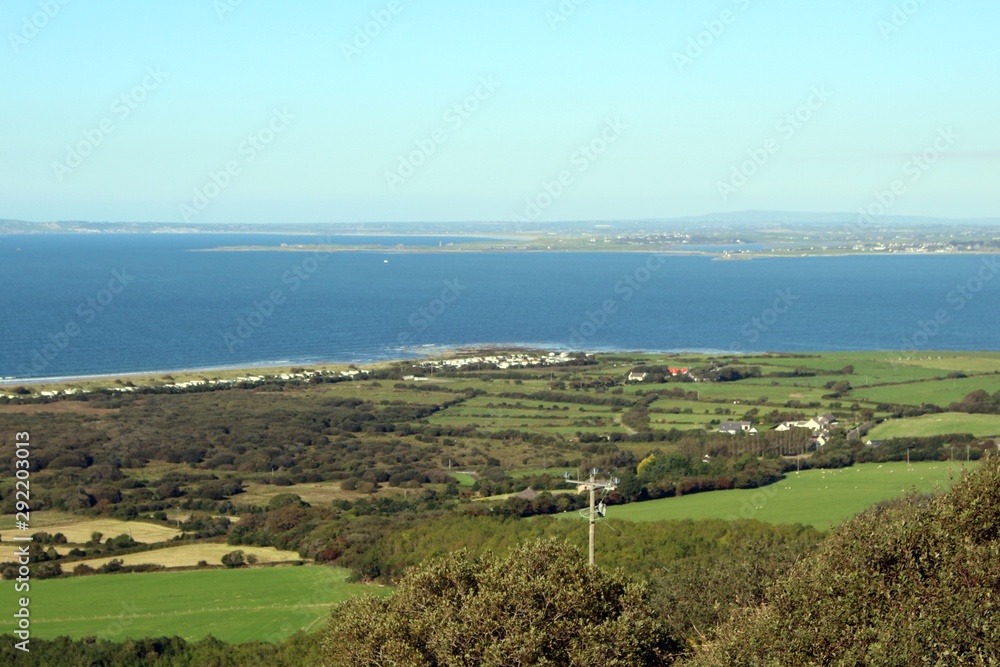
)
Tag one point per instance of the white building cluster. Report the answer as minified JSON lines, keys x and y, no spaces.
{"x":501,"y":361}
{"x":302,"y":376}
{"x":820,"y":426}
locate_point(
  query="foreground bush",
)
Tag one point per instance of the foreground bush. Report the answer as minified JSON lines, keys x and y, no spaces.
{"x":539,"y":605}
{"x":916,"y":582}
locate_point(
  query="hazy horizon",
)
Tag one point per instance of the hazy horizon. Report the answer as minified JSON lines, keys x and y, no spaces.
{"x":817,"y":218}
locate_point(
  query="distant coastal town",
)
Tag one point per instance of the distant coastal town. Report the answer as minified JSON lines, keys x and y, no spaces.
{"x":722,"y":236}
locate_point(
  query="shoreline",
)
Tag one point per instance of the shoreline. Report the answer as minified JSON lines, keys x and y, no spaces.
{"x":485,"y":243}
{"x":431,"y":352}
{"x":129,"y":375}
{"x":420,"y":354}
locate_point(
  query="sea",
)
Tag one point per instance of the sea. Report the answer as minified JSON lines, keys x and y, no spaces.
{"x":94,"y":304}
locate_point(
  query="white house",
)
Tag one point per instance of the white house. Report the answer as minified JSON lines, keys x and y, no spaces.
{"x":733,"y":428}
{"x":820,"y":423}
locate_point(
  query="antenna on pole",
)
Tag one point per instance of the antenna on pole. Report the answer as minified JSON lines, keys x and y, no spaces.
{"x":592,"y":484}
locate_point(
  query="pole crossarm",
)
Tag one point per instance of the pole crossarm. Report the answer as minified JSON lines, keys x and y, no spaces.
{"x":609,"y":485}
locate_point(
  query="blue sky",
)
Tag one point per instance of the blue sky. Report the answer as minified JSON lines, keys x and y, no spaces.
{"x":254,"y":111}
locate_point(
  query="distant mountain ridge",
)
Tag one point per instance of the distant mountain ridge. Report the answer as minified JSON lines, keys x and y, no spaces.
{"x":794,"y":217}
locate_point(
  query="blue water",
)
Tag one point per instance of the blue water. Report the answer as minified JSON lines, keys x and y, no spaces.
{"x":65,"y":311}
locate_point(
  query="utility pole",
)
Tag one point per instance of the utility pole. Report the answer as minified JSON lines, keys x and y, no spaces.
{"x":592,"y":485}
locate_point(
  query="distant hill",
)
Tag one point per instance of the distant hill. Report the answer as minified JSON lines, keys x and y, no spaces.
{"x":804,"y":218}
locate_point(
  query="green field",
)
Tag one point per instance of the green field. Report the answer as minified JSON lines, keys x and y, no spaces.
{"x":937,"y":424}
{"x":981,"y":362}
{"x":463,"y":478}
{"x":267,"y":604}
{"x":936,"y":392}
{"x":821,"y":498}
{"x":747,"y":390}
{"x":876,"y":367}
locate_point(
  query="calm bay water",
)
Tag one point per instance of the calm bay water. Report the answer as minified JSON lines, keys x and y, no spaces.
{"x":91,"y":304}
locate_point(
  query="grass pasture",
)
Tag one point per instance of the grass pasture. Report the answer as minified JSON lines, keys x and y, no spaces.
{"x":869,"y":367}
{"x":40,"y":520}
{"x":78,"y":532}
{"x":750,"y":390}
{"x":820,"y":498}
{"x":943,"y":423}
{"x":936,"y":392}
{"x":463,"y":478}
{"x":189,"y":555}
{"x":235,"y":606}
{"x":979,"y":362}
{"x":679,"y":421}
